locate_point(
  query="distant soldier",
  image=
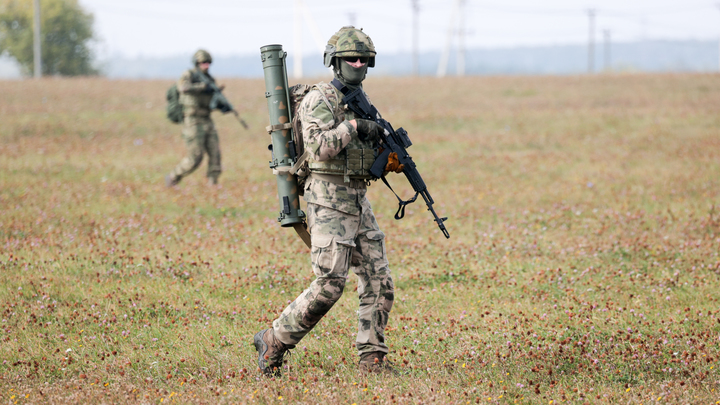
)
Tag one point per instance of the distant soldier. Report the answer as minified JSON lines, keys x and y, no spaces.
{"x":342,"y":226}
{"x":198,"y":129}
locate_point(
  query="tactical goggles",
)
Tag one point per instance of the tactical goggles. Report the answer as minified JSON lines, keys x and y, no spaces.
{"x":353,"y":59}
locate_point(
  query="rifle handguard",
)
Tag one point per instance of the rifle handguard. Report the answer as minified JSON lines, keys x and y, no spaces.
{"x":396,"y":141}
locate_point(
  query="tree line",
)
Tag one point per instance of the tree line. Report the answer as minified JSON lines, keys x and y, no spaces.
{"x":66,"y":35}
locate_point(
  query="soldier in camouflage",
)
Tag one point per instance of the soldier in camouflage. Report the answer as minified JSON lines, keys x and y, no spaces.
{"x":198,"y":129}
{"x":342,"y":225}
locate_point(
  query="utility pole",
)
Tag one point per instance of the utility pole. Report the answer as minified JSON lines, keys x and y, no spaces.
{"x":415,"y":57}
{"x":37,"y":54}
{"x":718,"y":5}
{"x":297,"y":41}
{"x":442,"y":66}
{"x":643,"y":43}
{"x":606,"y":56}
{"x":461,"y":39}
{"x":591,"y":41}
{"x":302,"y":12}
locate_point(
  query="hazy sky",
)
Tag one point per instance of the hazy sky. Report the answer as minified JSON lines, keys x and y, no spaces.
{"x":178,"y":27}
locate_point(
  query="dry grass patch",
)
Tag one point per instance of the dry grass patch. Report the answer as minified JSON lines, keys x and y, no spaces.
{"x":583,"y":265}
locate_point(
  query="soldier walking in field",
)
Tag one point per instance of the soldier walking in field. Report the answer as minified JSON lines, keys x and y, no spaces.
{"x":343,"y":228}
{"x":198,"y":130}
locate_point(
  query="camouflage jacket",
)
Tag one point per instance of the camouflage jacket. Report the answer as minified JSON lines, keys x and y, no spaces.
{"x":194,"y":96}
{"x":326,"y":134}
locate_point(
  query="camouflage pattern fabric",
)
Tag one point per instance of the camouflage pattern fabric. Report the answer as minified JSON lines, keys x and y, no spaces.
{"x":340,"y":198}
{"x":200,"y":138}
{"x":198,"y":129}
{"x":327,"y":135}
{"x":349,"y":41}
{"x":194,"y":96}
{"x":353,"y":42}
{"x":201,"y":56}
{"x":344,"y":235}
{"x":341,"y":241}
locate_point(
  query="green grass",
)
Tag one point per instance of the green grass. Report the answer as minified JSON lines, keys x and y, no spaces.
{"x":582,"y":267}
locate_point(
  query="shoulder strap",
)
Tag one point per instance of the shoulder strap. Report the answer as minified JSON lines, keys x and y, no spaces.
{"x":301,"y":161}
{"x":306,"y":154}
{"x":324,"y":97}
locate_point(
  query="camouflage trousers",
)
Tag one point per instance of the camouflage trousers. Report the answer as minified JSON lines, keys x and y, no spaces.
{"x":200,"y":138}
{"x":341,"y":241}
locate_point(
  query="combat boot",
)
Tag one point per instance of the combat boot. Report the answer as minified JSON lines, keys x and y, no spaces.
{"x":271,"y":352}
{"x":375,"y":362}
{"x":171,"y":180}
{"x":212,"y":181}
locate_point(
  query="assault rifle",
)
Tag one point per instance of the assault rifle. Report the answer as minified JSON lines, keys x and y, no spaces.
{"x":393,"y":141}
{"x":218,"y":101}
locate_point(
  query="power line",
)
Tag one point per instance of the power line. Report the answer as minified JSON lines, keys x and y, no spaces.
{"x":181,"y":17}
{"x":643,"y":20}
{"x":533,"y":11}
{"x":248,"y":15}
{"x":658,"y":10}
{"x":574,"y":11}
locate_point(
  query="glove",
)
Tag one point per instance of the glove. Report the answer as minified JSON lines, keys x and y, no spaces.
{"x":393,"y":164}
{"x":368,"y":130}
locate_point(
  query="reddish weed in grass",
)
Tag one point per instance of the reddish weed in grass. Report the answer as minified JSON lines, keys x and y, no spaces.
{"x":583,"y":265}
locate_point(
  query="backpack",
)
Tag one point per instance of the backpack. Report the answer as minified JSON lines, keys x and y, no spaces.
{"x":174,"y":108}
{"x":297,"y":94}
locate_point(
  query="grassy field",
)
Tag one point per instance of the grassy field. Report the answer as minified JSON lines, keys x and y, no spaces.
{"x":582,"y":267}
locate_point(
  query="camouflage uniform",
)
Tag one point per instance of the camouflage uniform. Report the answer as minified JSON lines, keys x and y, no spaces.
{"x":198,"y":129}
{"x":344,"y":232}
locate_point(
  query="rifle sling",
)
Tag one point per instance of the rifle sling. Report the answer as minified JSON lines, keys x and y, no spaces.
{"x":402,"y":204}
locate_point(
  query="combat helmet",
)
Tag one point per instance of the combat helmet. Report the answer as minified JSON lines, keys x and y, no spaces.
{"x":349,"y":41}
{"x":201,"y":56}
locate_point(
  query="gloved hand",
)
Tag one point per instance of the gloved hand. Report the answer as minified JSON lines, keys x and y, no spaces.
{"x":368,"y":130}
{"x":393,"y":164}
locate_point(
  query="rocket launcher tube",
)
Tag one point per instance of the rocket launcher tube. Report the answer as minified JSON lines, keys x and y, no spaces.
{"x":278,"y":100}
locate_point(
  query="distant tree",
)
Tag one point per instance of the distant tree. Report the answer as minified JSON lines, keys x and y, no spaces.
{"x":66,"y":30}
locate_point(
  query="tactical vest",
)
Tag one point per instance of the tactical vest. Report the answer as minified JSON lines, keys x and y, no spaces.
{"x":196,"y":104}
{"x":355,"y":160}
